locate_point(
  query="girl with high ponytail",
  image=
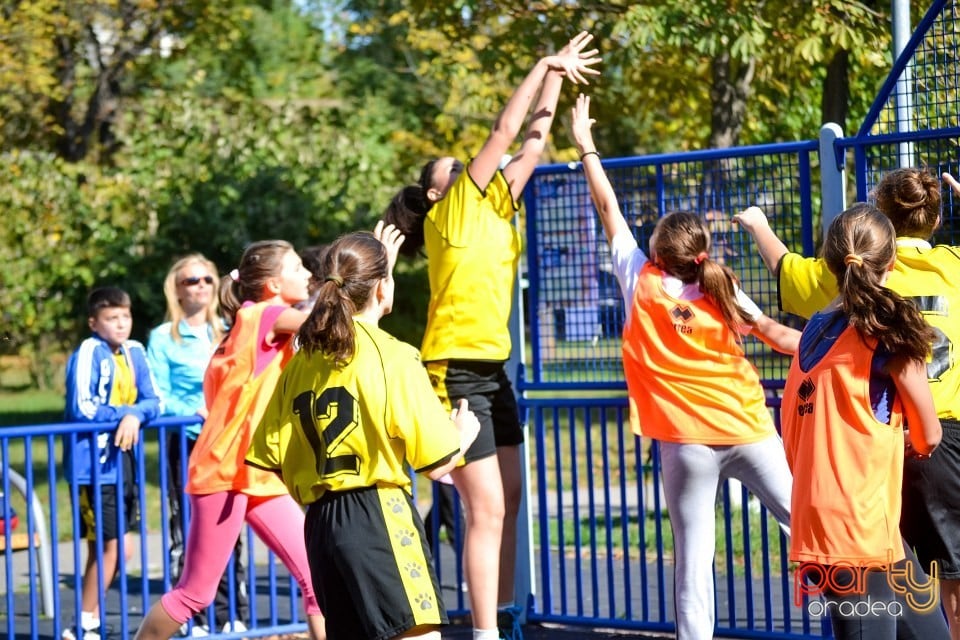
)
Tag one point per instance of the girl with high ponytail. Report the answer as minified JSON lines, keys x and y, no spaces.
{"x":857,"y":383}
{"x":690,"y":386}
{"x":352,"y":409}
{"x":461,"y":215}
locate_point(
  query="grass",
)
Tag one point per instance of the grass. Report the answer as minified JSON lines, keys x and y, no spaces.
{"x":30,"y":407}
{"x":587,"y":534}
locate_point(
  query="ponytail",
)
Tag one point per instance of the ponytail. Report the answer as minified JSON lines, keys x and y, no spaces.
{"x":859,"y":249}
{"x":260,"y":261}
{"x":353,"y":265}
{"x":408,"y":209}
{"x":718,"y":284}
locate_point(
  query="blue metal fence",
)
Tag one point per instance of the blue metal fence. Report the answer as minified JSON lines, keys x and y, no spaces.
{"x":602,"y":533}
{"x":35,"y":454}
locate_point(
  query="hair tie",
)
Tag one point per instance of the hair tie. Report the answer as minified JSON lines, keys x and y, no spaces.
{"x":235,"y":274}
{"x":701,"y":257}
{"x":337,"y":280}
{"x":852,"y":258}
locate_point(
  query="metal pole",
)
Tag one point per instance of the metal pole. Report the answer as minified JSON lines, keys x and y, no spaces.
{"x":904,"y":90}
{"x":833,"y":175}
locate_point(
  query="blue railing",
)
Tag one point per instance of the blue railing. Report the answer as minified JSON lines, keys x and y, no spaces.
{"x":34,"y":453}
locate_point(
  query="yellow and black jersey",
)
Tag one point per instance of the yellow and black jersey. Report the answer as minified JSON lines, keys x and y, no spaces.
{"x":930,"y":276}
{"x":473,"y":250}
{"x":336,"y":428}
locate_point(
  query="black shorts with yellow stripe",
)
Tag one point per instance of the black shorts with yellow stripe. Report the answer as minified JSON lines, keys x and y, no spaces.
{"x":370,"y":565}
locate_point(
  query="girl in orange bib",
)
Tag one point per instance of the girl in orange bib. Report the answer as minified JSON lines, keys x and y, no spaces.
{"x":225,"y":492}
{"x":690,"y":385}
{"x":857,"y":380}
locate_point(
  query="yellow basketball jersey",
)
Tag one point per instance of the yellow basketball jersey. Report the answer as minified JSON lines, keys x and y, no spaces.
{"x":929,"y":276}
{"x":336,"y":428}
{"x":473,"y":250}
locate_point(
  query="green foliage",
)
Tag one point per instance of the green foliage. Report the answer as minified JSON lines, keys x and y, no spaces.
{"x":67,"y":227}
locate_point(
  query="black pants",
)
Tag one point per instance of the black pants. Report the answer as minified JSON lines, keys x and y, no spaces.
{"x":175,"y":497}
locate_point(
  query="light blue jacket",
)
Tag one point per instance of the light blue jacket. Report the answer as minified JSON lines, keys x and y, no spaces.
{"x":89,"y":382}
{"x":178,"y":368}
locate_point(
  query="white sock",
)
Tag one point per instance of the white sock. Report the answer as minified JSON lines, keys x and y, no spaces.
{"x":89,"y":620}
{"x":486,"y":634}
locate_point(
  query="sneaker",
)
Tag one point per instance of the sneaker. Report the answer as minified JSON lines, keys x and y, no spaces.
{"x":236,"y":626}
{"x":196,"y":631}
{"x":508,"y":622}
{"x":88,"y":634}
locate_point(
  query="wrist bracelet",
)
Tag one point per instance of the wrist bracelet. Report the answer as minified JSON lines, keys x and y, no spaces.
{"x":589,"y":153}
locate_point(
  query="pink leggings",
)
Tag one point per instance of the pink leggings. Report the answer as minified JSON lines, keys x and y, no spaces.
{"x":215,"y":523}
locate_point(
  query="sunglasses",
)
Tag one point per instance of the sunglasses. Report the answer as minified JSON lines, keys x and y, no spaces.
{"x":192,"y":282}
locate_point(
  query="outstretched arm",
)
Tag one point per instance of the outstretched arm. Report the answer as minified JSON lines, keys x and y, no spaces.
{"x":521,"y":166}
{"x":572,"y":62}
{"x":601,"y":191}
{"x":778,"y":336}
{"x":771,"y":247}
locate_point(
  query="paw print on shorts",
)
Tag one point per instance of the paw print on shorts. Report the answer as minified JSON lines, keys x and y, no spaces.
{"x":395,"y":504}
{"x":405,"y":537}
{"x":425,"y":601}
{"x":413,"y":569}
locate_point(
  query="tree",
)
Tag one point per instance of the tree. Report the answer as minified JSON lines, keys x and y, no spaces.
{"x":68,"y":62}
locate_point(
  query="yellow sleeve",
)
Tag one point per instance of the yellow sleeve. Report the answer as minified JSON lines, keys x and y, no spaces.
{"x":418,"y":416}
{"x":805,"y":285}
{"x":498,"y":193}
{"x":265,"y":449}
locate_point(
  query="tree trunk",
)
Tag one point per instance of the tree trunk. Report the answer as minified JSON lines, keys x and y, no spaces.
{"x":730,"y":88}
{"x":836,"y":90}
{"x":729,"y":91}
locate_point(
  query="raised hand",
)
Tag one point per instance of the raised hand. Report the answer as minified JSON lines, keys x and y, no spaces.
{"x":581,"y":125}
{"x":751,"y":219}
{"x":950,"y":180}
{"x":392,"y":239}
{"x":573,"y":62}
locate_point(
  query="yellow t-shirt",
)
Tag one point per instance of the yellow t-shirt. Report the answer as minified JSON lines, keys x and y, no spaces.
{"x":473,"y":250}
{"x":124,"y":391}
{"x":330,"y":428}
{"x":930,"y":276}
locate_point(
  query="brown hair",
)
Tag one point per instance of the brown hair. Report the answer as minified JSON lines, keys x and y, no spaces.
{"x":911,"y":199}
{"x":260,"y":262}
{"x":859,"y":248}
{"x":408,"y":209}
{"x":682,"y":247}
{"x":106,"y":298}
{"x":353,"y":265}
{"x":175,"y":311}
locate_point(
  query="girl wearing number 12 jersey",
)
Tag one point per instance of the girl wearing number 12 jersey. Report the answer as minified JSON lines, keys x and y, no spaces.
{"x":352,"y":408}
